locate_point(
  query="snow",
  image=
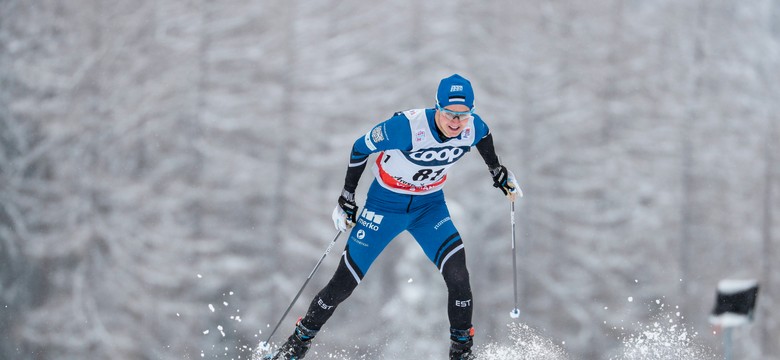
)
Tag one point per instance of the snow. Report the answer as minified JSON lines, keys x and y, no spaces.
{"x":525,"y":344}
{"x":665,"y":339}
{"x":727,"y":320}
{"x":733,"y":286}
{"x":182,"y":175}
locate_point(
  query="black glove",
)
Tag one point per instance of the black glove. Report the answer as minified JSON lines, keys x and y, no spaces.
{"x":505,"y":181}
{"x":501,"y":179}
{"x":347,"y":208}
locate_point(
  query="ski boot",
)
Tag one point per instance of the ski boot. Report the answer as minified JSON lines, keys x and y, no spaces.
{"x":460,"y":344}
{"x":296,"y":346}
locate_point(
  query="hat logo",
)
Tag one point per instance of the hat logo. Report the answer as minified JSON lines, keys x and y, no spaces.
{"x":456,"y":88}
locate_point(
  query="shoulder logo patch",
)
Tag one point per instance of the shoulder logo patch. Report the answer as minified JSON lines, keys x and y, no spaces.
{"x":377,"y":135}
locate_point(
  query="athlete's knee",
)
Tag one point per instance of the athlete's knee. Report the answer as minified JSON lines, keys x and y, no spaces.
{"x":337,"y":290}
{"x":344,"y":281}
{"x":455,"y":273}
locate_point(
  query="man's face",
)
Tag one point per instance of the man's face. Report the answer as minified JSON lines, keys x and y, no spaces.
{"x":452,"y":119}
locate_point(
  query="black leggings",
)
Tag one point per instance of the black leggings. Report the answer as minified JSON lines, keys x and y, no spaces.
{"x":456,"y":276}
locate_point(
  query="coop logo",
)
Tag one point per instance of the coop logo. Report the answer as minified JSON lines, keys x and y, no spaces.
{"x":370,"y":219}
{"x":454,"y":88}
{"x":438,"y":156}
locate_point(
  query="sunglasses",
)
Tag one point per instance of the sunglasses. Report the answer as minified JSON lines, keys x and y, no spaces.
{"x":455,"y":115}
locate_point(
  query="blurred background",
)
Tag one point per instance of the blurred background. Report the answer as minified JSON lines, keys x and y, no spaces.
{"x":168,"y":169}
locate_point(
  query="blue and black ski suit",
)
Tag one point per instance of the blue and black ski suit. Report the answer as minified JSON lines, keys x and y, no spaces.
{"x":406,"y":194}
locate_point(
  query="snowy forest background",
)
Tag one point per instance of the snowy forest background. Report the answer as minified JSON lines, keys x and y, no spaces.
{"x":168,"y":168}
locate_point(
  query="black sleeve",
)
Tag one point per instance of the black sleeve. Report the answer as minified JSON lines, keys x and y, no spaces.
{"x":357,"y":164}
{"x":488,"y":151}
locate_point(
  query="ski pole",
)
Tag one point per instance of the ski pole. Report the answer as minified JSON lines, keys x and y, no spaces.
{"x":265,"y":344}
{"x":515,"y":313}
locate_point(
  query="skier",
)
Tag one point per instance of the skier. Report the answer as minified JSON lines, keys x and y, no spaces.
{"x":417,"y":148}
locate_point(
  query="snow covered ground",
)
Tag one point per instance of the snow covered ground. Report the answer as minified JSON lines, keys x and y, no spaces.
{"x":664,"y":339}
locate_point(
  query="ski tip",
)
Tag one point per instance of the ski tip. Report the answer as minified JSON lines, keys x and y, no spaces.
{"x":515,"y":313}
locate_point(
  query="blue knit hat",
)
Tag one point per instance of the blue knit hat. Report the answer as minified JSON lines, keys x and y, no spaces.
{"x":455,"y":90}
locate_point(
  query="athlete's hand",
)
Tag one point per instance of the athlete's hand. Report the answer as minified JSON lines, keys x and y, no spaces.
{"x":505,"y":181}
{"x":345,"y":214}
